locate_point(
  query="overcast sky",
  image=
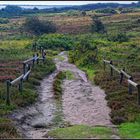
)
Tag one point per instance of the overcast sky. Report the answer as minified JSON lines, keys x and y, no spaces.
{"x":60,"y":2}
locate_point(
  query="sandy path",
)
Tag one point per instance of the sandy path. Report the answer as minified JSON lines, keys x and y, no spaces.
{"x":32,"y":120}
{"x":83,"y":103}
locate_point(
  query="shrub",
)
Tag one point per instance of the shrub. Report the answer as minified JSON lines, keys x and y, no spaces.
{"x":55,"y":41}
{"x":4,"y":21}
{"x":119,"y":37}
{"x":107,"y":10}
{"x":85,"y":53}
{"x":34,"y":26}
{"x":97,"y":26}
{"x":73,"y":13}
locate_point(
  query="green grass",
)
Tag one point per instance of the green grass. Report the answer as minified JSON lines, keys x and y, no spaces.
{"x":16,"y":44}
{"x":130,"y":130}
{"x":7,"y":129}
{"x":69,"y":75}
{"x":60,"y":58}
{"x":15,"y":50}
{"x":90,"y":71}
{"x":80,"y":131}
{"x":58,"y":83}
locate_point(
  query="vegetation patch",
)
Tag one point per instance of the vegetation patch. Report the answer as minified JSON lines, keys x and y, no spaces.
{"x":69,"y":75}
{"x":59,"y":58}
{"x":80,"y":131}
{"x":55,"y":42}
{"x":130,"y":130}
{"x":28,"y":96}
{"x":57,"y":85}
{"x":7,"y":130}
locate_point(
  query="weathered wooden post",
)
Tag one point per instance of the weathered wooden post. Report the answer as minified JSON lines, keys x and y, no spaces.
{"x":8,"y":92}
{"x":138,"y":87}
{"x":111,"y":69}
{"x":104,"y":64}
{"x":33,"y":59}
{"x":121,"y":76}
{"x":28,"y":70}
{"x":24,"y":68}
{"x":130,"y":86}
{"x":21,"y":85}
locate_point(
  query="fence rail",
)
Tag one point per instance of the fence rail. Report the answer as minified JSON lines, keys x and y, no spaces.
{"x":26,"y":72}
{"x":122,"y":74}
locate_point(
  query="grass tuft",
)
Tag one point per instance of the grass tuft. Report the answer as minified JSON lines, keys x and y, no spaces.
{"x":80,"y":131}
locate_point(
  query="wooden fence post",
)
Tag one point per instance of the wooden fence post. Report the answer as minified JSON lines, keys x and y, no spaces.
{"x":138,"y":87}
{"x":121,"y":76}
{"x":21,"y":86}
{"x":8,"y":93}
{"x":130,"y":86}
{"x":33,"y":60}
{"x":104,"y":65}
{"x":111,"y":69}
{"x":24,"y":68}
{"x":28,"y":70}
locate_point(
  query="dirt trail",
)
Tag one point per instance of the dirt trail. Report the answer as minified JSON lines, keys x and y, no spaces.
{"x":82,"y":103}
{"x":31,"y":121}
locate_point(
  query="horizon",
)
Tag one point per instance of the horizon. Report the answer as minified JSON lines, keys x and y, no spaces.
{"x":42,"y":3}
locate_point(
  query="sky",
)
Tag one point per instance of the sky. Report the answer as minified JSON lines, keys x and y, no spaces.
{"x":59,"y":2}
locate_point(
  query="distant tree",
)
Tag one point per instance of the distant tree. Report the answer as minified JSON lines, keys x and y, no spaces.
{"x":73,"y":13}
{"x":97,"y":26}
{"x":54,"y":9}
{"x":34,"y":26}
{"x":13,"y":9}
{"x":35,"y":9}
{"x":83,"y":13}
{"x":107,"y":10}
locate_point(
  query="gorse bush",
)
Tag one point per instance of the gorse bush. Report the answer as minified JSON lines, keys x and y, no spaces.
{"x":36,"y":27}
{"x":85,"y":53}
{"x":55,"y":41}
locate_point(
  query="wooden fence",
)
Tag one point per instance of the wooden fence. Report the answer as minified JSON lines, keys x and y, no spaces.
{"x":27,"y":67}
{"x":122,"y":75}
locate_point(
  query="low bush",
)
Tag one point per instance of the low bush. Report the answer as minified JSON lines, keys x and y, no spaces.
{"x":55,"y":42}
{"x":118,"y":37}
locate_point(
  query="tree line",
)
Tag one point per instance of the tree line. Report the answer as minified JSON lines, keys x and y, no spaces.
{"x":13,"y":10}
